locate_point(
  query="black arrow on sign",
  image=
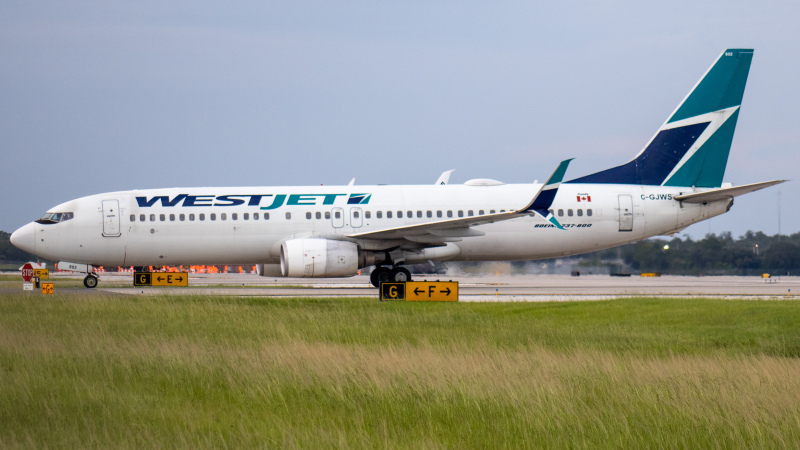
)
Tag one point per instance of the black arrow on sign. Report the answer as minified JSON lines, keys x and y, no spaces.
{"x":179,"y":278}
{"x":417,"y":291}
{"x":159,"y":278}
{"x":448,"y":291}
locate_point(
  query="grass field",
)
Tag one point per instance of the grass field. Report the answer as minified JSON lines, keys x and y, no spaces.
{"x":100,"y":371}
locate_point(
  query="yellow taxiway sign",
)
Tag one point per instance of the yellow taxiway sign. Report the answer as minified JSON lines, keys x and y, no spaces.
{"x":48,"y":288}
{"x":432,"y":291}
{"x":420,"y":291}
{"x":160,"y":279}
{"x":43,"y":274}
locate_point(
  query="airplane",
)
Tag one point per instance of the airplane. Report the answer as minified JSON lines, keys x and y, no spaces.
{"x":334,"y":231}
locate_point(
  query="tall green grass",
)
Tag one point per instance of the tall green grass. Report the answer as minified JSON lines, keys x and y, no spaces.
{"x":102,"y":371}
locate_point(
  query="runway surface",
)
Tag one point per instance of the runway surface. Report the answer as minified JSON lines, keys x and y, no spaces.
{"x":478,"y":288}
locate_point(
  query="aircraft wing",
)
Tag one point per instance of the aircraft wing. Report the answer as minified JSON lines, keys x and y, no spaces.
{"x":453,"y":230}
{"x":449,"y":230}
{"x":725,"y":193}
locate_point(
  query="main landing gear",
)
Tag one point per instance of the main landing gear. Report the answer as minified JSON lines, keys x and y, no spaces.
{"x":91,"y":281}
{"x":386,"y":275}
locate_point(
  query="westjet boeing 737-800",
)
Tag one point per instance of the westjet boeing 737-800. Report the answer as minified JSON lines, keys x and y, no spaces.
{"x":333,"y":231}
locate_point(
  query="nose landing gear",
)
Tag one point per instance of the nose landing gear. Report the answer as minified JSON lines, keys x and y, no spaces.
{"x":384,"y":275}
{"x":91,"y":281}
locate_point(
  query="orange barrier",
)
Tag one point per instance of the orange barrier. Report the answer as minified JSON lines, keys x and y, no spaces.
{"x":190,"y":269}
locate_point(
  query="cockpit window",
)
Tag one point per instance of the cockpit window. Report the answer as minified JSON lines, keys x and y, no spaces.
{"x":56,"y":217}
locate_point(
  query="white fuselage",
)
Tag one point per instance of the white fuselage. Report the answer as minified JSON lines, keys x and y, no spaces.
{"x":219,"y":225}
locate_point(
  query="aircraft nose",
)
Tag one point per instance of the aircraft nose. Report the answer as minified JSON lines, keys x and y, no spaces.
{"x":25,"y":238}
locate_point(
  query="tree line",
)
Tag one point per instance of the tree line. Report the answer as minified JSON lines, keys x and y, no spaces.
{"x":750,"y":254}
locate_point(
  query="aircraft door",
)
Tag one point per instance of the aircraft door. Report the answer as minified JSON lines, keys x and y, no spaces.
{"x":111,"y":218}
{"x":355,"y":217}
{"x":625,"y":212}
{"x":337,"y":217}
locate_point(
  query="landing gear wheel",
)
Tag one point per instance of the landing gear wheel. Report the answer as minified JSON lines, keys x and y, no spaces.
{"x":90,"y":281}
{"x":379,"y":275}
{"x":400,"y":274}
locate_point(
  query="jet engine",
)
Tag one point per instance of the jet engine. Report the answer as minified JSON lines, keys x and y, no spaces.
{"x":320,"y":258}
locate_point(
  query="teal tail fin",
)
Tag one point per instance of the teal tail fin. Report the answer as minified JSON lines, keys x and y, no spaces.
{"x":692,"y":147}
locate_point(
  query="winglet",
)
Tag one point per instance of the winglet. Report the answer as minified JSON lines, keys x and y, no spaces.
{"x":541,"y":202}
{"x":444,"y":178}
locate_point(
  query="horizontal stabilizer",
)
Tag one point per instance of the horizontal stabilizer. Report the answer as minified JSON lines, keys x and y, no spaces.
{"x":725,"y":193}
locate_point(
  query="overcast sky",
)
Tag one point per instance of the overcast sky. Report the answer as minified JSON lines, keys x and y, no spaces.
{"x":98,"y":96}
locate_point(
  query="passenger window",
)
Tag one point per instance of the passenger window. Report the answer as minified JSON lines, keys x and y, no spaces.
{"x":388,"y":214}
{"x":569,"y":212}
{"x":580,"y":212}
{"x":449,"y":213}
{"x":213,"y":216}
{"x":191,"y":217}
{"x":172,"y":217}
{"x":367,"y":214}
{"x":491,"y":212}
{"x":308,"y":215}
{"x":378,"y":214}
{"x":318,"y":215}
{"x":223,"y":216}
{"x":410,"y":214}
{"x":438,"y":214}
{"x":202,"y":216}
{"x":460,"y":213}
{"x":255,"y":216}
{"x":419,"y":214}
{"x":470,"y":213}
{"x":338,"y":215}
{"x":502,"y":210}
{"x":588,"y":212}
{"x":133,"y":217}
{"x":327,"y":214}
{"x":430,"y":214}
{"x":288,"y":216}
{"x":162,"y":217}
{"x":399,"y":214}
{"x":152,"y":217}
{"x":355,"y":214}
{"x":234,"y":216}
{"x":246,"y":216}
{"x":266,"y":216}
{"x":182,"y":217}
{"x":560,"y":213}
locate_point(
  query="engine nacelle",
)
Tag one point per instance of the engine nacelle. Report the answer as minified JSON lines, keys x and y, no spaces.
{"x":320,"y":258}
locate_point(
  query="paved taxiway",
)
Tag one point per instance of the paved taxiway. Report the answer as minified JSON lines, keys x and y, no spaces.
{"x":478,"y":288}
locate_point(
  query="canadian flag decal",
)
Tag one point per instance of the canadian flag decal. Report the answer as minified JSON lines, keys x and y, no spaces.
{"x":584,"y":198}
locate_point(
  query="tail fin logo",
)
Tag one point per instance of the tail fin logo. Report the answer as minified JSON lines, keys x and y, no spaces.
{"x":691,"y":148}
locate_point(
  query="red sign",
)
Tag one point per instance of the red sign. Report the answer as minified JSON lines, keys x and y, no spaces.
{"x":27,"y":272}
